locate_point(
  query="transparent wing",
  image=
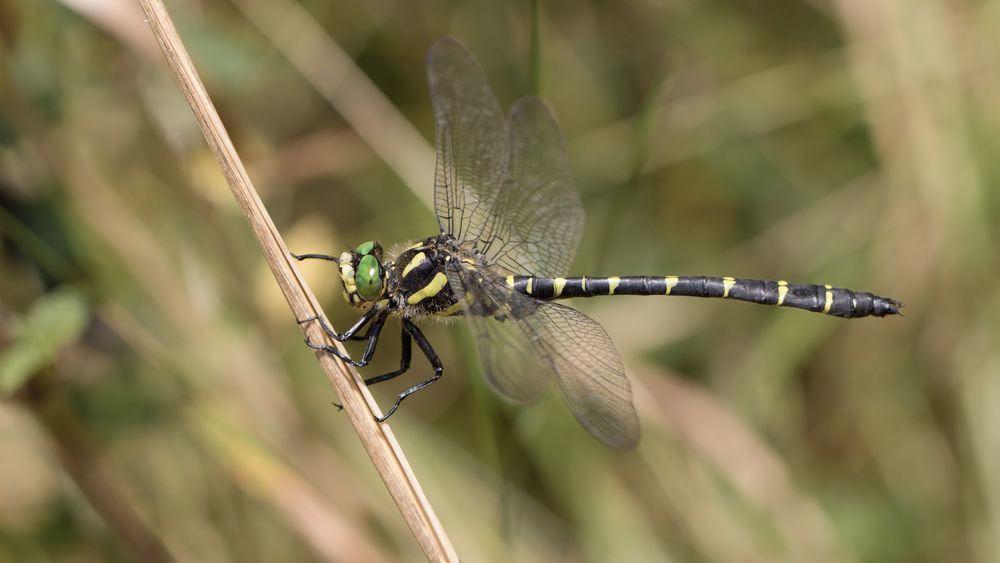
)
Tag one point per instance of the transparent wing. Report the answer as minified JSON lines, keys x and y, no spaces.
{"x":511,"y":365}
{"x":539,"y":218}
{"x":589,"y":373}
{"x":524,"y":343}
{"x":502,"y":187}
{"x":470,"y":141}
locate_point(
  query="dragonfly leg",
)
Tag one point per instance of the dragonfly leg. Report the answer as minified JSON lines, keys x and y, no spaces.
{"x":349,"y":334}
{"x":301,"y":257}
{"x":333,"y":334}
{"x":361,"y":337}
{"x":432,"y":357}
{"x":373,"y":334}
{"x":404,"y":361}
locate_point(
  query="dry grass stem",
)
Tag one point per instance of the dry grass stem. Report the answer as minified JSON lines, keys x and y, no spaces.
{"x":377,"y":439}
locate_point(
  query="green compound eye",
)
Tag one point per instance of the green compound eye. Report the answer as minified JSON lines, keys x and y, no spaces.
{"x":365,"y":248}
{"x":369,"y":278}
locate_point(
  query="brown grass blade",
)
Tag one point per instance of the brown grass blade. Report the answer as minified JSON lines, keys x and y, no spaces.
{"x":377,"y":439}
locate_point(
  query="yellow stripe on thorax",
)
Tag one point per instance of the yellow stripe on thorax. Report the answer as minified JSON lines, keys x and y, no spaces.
{"x":527,"y":289}
{"x":671,"y":281}
{"x":782,"y":291}
{"x":510,"y":282}
{"x":417,"y":260}
{"x":727,"y":284}
{"x":429,"y":290}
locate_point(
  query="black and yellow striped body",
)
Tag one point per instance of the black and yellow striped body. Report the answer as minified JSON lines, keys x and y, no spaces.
{"x":825,"y":299}
{"x":506,"y":204}
{"x":418,"y":285}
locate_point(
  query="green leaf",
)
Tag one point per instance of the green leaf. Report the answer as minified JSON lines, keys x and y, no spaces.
{"x":57,"y":319}
{"x":17,"y":364}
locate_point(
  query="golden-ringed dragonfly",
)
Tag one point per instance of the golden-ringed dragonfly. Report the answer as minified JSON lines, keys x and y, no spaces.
{"x":510,"y":222}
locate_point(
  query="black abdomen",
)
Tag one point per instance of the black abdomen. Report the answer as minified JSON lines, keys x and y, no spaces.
{"x":825,"y":299}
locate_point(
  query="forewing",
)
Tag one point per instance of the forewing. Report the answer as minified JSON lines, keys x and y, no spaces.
{"x":524,"y":342}
{"x":470,"y":140}
{"x":501,"y":186}
{"x":508,"y":353}
{"x":539,"y":218}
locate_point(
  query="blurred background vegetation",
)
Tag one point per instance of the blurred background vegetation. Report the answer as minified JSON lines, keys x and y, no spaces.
{"x":157,"y":402}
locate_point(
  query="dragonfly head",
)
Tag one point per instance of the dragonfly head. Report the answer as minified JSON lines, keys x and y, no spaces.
{"x":362,"y":273}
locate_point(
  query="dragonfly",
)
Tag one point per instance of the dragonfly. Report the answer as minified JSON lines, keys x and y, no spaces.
{"x":510,"y":222}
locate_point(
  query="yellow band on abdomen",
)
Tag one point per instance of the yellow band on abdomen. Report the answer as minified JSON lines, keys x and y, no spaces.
{"x":671,"y":281}
{"x":613,"y":284}
{"x":557,"y":286}
{"x":727,"y":284}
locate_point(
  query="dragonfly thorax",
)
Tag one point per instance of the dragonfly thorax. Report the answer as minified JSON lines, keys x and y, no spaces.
{"x":418,"y":279}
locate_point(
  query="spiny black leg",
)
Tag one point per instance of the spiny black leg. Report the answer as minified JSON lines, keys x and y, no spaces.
{"x":332,"y":333}
{"x":373,"y":333}
{"x":340,"y":355}
{"x":301,"y":257}
{"x":404,"y":362}
{"x":366,"y":357}
{"x":432,"y":357}
{"x":347,"y":334}
{"x":359,"y":337}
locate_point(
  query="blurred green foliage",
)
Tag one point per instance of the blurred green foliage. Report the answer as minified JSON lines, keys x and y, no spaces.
{"x":56,"y":320}
{"x":156,"y":389}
